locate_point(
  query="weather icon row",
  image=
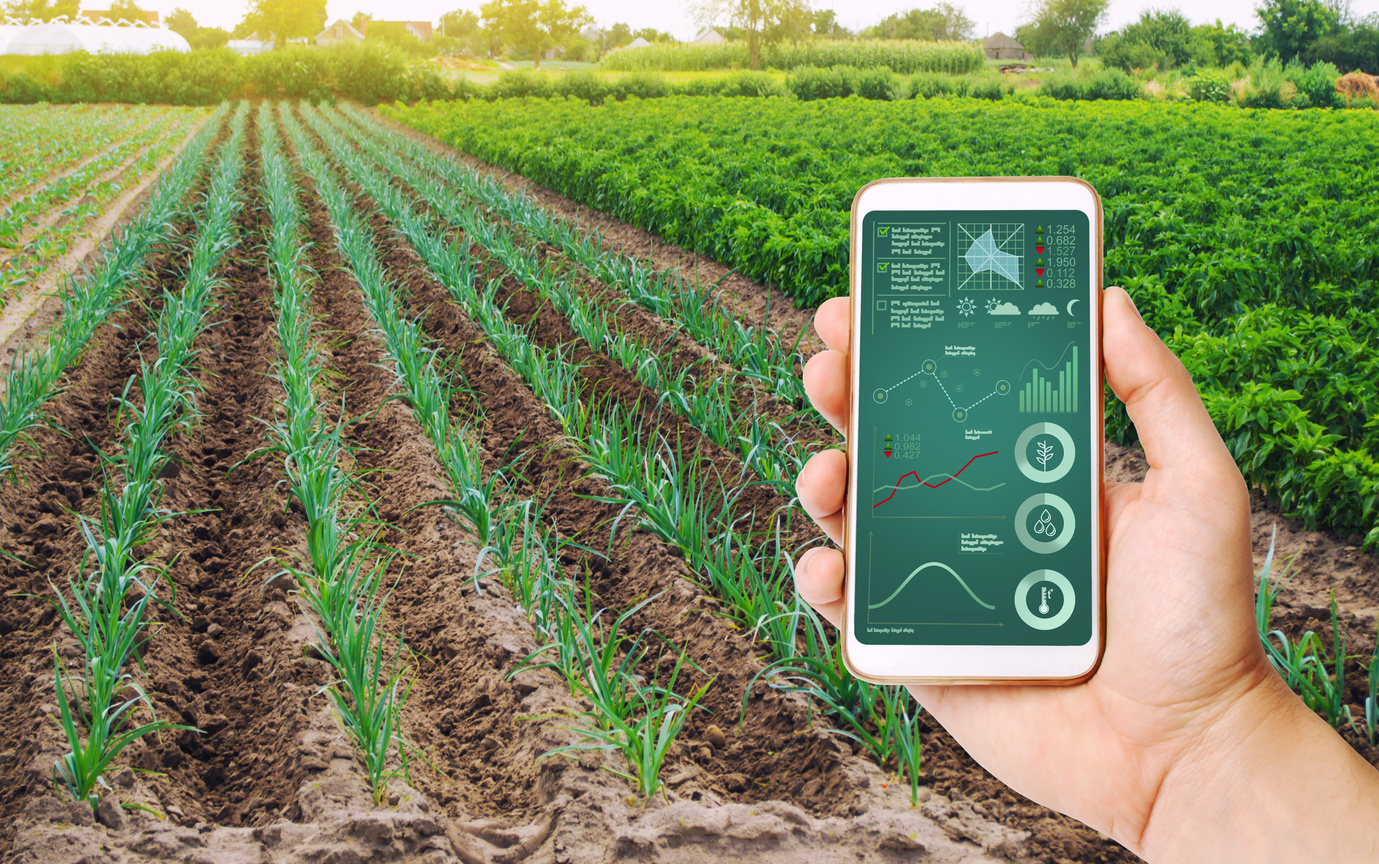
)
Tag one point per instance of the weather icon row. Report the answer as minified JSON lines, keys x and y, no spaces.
{"x":968,"y":306}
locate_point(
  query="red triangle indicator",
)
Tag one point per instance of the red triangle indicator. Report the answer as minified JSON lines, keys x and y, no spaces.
{"x":888,"y":454}
{"x":1039,"y":249}
{"x":1039,"y":270}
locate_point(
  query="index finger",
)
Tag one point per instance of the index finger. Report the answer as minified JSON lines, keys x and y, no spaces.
{"x":831,"y":322}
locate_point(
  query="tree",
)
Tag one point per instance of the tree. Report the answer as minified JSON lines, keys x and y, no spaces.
{"x":534,"y":25}
{"x":943,"y":23}
{"x":182,"y":22}
{"x":206,"y":38}
{"x":826,"y":26}
{"x":395,"y":35}
{"x":1162,"y":38}
{"x":756,"y":17}
{"x":1228,"y":43}
{"x":359,"y":20}
{"x":42,"y":10}
{"x":285,"y":19}
{"x":651,"y":34}
{"x":1064,"y":26}
{"x":1292,"y":26}
{"x":126,"y":10}
{"x":617,"y":36}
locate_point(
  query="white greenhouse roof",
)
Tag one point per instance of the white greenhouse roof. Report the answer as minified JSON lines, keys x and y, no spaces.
{"x":7,"y":32}
{"x":59,"y":37}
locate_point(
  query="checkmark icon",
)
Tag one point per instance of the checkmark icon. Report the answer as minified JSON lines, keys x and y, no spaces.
{"x":881,"y":268}
{"x":882,"y":231}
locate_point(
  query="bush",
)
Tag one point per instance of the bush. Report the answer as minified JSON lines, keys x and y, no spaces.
{"x":757,"y":84}
{"x":1112,"y":84}
{"x":904,"y":56}
{"x":880,"y":83}
{"x":809,"y":83}
{"x":589,"y":86}
{"x":1209,"y":86}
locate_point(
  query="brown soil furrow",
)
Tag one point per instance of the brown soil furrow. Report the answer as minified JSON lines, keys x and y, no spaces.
{"x":949,"y":770}
{"x":779,"y":753}
{"x":461,"y":709}
{"x":749,"y":301}
{"x":38,"y":527}
{"x":667,"y":338}
{"x":223,"y":664}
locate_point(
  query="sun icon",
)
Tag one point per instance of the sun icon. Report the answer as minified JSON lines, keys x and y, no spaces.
{"x":966,"y":306}
{"x":991,"y":304}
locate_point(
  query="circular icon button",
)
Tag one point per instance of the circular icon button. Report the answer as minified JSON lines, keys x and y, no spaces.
{"x":1039,"y":528}
{"x":1047,"y":589}
{"x":1054,"y":450}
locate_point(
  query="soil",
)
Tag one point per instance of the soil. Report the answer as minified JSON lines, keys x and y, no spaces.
{"x":273,"y":777}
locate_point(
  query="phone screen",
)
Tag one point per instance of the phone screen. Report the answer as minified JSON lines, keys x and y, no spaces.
{"x":976,"y":424}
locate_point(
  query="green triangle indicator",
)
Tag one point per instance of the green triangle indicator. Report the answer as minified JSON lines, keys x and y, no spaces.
{"x":1039,"y":284}
{"x":888,"y":437}
{"x":1040,"y":262}
{"x":1039,"y":229}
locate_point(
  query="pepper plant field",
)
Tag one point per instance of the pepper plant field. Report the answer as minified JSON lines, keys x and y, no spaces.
{"x":1246,"y":238}
{"x":359,"y":505}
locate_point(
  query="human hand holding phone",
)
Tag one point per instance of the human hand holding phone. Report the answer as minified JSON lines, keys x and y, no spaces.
{"x":1185,"y":745}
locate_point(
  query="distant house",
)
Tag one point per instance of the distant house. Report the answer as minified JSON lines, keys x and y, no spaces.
{"x":420,"y":29}
{"x":95,"y":16}
{"x":341,"y":32}
{"x":707,"y":36}
{"x":639,"y":42}
{"x":591,"y":34}
{"x":999,"y":46}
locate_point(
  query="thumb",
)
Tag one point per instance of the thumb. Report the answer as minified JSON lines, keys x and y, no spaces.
{"x":1179,"y":439}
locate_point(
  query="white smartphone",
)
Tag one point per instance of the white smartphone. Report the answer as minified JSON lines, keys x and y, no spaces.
{"x":974,"y":537}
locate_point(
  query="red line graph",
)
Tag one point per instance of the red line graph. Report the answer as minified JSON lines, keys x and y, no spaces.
{"x":932,"y":485}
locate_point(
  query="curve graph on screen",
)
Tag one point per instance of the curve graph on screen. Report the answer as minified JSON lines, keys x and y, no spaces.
{"x":896,"y":487}
{"x":920,"y":569}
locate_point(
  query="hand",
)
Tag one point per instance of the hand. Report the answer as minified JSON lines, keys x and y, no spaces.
{"x":1184,"y":675}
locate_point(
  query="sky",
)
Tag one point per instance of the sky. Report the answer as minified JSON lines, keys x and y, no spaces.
{"x":669,"y":15}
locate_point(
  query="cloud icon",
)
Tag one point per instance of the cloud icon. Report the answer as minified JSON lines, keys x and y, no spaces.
{"x":1005,"y":309}
{"x":1044,"y":309}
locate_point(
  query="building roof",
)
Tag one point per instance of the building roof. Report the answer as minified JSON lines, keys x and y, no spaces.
{"x":1001,"y":40}
{"x":61,"y":38}
{"x":707,"y":33}
{"x":345,"y":27}
{"x":639,"y":42}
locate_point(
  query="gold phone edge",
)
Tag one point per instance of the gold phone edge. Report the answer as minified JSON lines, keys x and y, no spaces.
{"x":849,"y":498}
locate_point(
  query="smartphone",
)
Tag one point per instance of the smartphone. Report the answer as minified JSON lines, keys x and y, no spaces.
{"x":974,"y":536}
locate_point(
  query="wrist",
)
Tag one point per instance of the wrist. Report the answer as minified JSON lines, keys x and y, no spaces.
{"x":1266,"y":780}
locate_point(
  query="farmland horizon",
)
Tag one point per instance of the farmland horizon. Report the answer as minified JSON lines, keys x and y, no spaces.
{"x":989,"y":16}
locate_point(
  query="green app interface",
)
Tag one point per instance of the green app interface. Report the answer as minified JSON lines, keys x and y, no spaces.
{"x":975,"y":440}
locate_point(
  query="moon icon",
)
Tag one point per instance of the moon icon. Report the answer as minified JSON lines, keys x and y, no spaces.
{"x":1070,"y":304}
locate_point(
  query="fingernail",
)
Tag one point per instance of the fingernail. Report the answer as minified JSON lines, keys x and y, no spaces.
{"x":1133,"y":307}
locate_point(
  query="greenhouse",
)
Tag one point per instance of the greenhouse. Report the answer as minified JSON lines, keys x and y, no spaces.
{"x":64,"y":37}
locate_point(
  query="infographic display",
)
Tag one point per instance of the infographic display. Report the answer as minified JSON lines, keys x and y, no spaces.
{"x":975,"y":422}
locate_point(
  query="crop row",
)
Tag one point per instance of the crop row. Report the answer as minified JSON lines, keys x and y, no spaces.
{"x":42,"y":226}
{"x":42,"y":139}
{"x":679,"y":493}
{"x":34,"y":376}
{"x":904,"y":56}
{"x":598,"y":660}
{"x":1213,"y":217}
{"x":105,"y":605}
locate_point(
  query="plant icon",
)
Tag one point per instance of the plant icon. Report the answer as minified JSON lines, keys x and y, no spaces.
{"x":1043,"y":453}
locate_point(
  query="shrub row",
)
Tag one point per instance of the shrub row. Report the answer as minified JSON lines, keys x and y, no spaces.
{"x":366,"y":73}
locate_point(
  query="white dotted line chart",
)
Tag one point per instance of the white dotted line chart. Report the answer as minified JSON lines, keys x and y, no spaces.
{"x":930,"y":368}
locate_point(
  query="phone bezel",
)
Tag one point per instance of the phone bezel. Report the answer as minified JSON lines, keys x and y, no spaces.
{"x":979,"y":664}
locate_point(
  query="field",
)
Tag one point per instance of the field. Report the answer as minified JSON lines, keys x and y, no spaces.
{"x":1242,"y":235}
{"x":426,"y":519}
{"x":63,"y":167}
